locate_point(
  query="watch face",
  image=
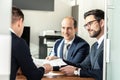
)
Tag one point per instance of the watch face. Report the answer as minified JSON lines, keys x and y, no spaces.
{"x":76,"y":72}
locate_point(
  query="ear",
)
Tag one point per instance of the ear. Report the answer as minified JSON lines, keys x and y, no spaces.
{"x":76,"y":29}
{"x":20,"y":22}
{"x":102,"y":22}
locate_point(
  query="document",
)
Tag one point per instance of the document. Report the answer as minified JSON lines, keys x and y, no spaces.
{"x":55,"y":62}
{"x":38,"y":62}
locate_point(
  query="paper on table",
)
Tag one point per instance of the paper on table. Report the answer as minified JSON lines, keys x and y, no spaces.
{"x":38,"y":62}
{"x":55,"y":62}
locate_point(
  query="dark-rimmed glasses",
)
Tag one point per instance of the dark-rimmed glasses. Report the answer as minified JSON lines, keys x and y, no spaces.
{"x":90,"y":23}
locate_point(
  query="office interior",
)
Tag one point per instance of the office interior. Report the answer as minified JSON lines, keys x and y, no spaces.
{"x":40,"y":21}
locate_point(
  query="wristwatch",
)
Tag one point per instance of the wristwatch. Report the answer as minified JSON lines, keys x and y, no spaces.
{"x":76,"y":72}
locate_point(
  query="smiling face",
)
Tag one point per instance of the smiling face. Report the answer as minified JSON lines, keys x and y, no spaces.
{"x":68,"y":29}
{"x":93,"y":26}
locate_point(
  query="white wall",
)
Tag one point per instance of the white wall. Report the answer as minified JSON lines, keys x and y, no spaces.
{"x":45,"y":20}
{"x":113,"y":66}
{"x":85,"y":5}
{"x":5,"y":39}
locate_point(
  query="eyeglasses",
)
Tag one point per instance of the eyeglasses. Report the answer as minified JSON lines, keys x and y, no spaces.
{"x":89,"y":23}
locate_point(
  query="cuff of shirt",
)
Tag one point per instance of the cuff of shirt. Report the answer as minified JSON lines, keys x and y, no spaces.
{"x":79,"y":71}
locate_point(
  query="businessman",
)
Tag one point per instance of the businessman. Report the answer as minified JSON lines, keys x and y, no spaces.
{"x":92,"y":66}
{"x":20,"y":52}
{"x":77,"y":48}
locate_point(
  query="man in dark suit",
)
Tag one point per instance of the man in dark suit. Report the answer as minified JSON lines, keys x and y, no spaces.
{"x":78,"y":48}
{"x":20,"y":52}
{"x":92,"y":66}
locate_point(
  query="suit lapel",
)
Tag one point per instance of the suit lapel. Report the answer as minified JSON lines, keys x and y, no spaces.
{"x":71,"y":51}
{"x":61,"y":50}
{"x":94,"y":59}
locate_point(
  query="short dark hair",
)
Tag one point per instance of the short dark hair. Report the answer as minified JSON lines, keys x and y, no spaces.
{"x":16,"y":14}
{"x":75,"y":23}
{"x":97,"y":13}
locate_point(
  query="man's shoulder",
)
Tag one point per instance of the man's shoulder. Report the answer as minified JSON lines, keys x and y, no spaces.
{"x":80,"y":40}
{"x":57,"y":43}
{"x":17,"y":41}
{"x":59,"y":40}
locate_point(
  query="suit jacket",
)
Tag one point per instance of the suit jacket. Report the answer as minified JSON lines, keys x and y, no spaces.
{"x":20,"y":57}
{"x":77,"y":52}
{"x":92,"y":66}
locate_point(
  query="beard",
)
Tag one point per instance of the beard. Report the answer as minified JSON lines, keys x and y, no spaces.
{"x":94,"y":34}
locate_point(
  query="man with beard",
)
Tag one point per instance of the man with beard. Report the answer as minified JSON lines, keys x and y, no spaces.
{"x":92,"y":66}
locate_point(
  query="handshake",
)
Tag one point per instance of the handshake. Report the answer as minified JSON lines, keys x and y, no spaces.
{"x":53,"y":63}
{"x":49,"y":63}
{"x":47,"y":67}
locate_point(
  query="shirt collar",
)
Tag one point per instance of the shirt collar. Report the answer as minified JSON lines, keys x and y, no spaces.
{"x":11,"y":30}
{"x":70,"y":42}
{"x":100,"y":40}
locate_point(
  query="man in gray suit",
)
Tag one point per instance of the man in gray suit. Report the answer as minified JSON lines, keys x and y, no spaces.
{"x":92,"y":66}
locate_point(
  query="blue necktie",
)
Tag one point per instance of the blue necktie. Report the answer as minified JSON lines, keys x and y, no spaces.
{"x":95,"y":48}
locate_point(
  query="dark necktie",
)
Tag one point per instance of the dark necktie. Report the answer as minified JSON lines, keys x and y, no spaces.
{"x":95,"y":48}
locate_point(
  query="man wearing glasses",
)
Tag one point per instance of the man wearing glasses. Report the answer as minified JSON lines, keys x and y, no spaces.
{"x":92,"y":66}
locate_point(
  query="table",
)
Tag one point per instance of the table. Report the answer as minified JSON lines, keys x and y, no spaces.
{"x":56,"y":76}
{"x":67,"y":78}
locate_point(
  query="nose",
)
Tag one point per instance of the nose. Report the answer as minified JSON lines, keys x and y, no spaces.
{"x":65,"y":30}
{"x":87,"y":27}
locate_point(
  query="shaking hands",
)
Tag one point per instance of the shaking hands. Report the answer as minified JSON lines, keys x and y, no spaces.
{"x":47,"y":67}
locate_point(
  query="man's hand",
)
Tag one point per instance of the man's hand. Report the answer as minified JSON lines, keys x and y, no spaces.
{"x":47,"y":68}
{"x":68,"y":70}
{"x":19,"y":72}
{"x":51,"y":57}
